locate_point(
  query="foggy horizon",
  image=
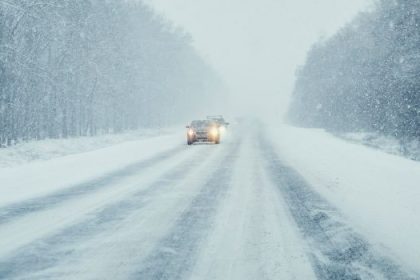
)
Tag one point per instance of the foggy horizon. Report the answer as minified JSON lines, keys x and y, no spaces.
{"x":256,"y":47}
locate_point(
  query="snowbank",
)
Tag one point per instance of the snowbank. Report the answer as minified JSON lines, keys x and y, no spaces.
{"x":389,"y":144}
{"x":41,"y":177}
{"x":26,"y":152}
{"x":378,"y":192}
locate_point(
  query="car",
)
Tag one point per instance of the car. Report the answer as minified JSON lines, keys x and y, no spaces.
{"x":220,"y":120}
{"x":203,"y":131}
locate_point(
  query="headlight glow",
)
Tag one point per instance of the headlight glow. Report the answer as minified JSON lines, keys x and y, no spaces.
{"x":214,"y":131}
{"x":190,"y":132}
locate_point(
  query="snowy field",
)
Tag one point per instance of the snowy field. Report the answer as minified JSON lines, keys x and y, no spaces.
{"x":389,"y":144}
{"x":378,"y":192}
{"x":270,"y":202}
{"x":26,"y":152}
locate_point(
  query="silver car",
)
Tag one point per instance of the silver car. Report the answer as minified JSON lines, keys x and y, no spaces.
{"x":203,"y":131}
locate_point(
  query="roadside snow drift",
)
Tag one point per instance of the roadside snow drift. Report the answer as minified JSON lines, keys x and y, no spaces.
{"x":38,"y":178}
{"x":378,"y":192}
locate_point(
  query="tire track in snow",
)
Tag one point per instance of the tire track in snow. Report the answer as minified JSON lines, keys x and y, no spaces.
{"x":252,"y":237}
{"x":45,"y":253}
{"x":20,"y":209}
{"x":338,"y":252}
{"x":175,"y":255}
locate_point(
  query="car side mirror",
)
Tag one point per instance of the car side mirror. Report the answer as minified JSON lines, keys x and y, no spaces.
{"x":187,"y":126}
{"x":227,"y":123}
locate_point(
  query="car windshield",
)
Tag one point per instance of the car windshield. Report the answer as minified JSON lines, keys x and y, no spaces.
{"x":200,"y":124}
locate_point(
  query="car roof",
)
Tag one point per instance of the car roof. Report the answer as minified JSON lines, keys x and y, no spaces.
{"x":202,"y":122}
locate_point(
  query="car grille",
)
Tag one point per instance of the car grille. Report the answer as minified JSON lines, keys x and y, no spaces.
{"x":201,"y":134}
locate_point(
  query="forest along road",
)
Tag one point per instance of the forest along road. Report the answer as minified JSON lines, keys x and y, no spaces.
{"x":229,"y":211}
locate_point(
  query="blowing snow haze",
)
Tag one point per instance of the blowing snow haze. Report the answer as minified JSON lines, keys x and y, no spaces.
{"x":210,"y":139}
{"x":257,"y":45}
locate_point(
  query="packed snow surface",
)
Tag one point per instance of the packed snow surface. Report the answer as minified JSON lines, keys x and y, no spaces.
{"x":270,"y":202}
{"x":26,"y":152}
{"x":379,"y":192}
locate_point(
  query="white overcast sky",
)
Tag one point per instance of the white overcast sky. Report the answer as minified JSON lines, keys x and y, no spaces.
{"x":256,"y":45}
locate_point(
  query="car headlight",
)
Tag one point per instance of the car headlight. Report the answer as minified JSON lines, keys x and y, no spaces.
{"x":190,"y":132}
{"x":214,"y":131}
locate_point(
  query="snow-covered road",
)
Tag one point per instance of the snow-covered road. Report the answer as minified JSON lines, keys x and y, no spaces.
{"x":232,"y":211}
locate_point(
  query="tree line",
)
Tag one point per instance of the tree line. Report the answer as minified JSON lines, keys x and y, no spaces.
{"x":366,"y":77}
{"x":81,"y":67}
